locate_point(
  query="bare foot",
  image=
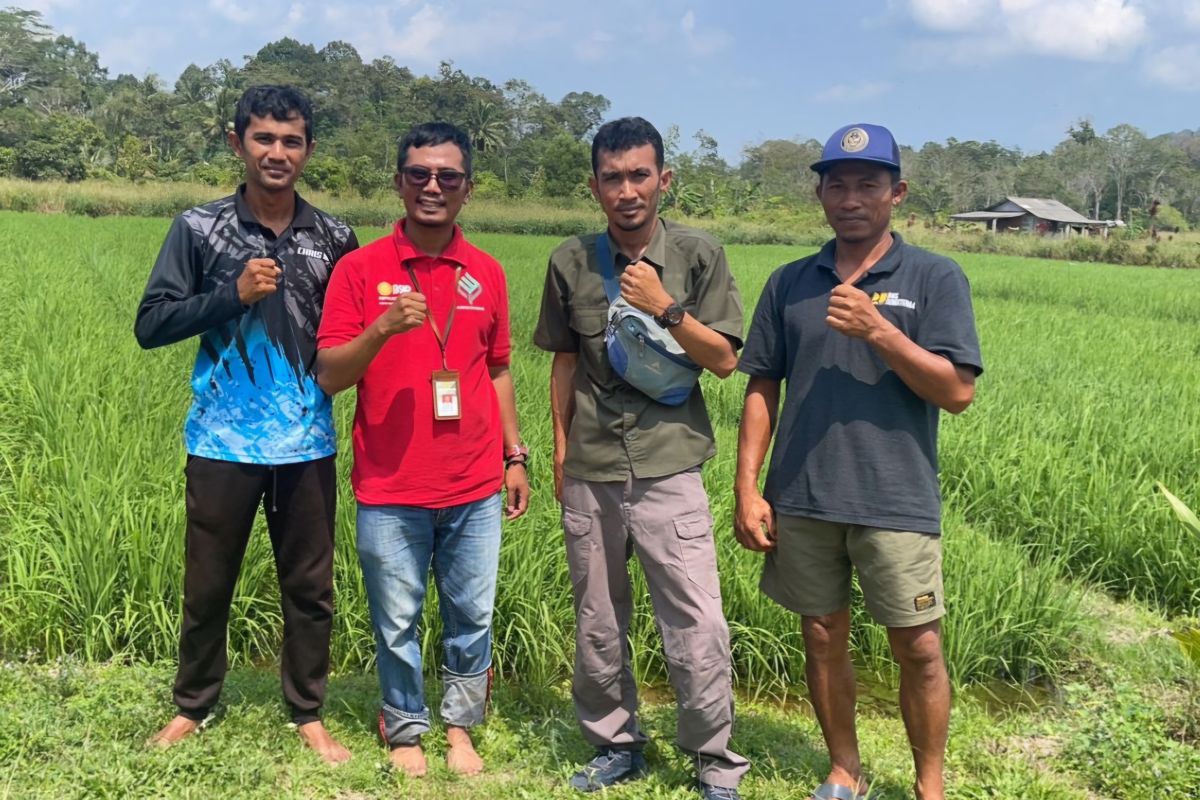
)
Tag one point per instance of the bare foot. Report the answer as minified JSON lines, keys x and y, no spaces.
{"x":317,"y":737}
{"x":409,"y":759}
{"x":174,"y":732}
{"x":461,"y":757}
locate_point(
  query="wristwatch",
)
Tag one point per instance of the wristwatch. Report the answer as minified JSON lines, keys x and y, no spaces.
{"x":671,"y":317}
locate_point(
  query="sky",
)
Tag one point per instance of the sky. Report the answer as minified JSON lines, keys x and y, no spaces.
{"x":1019,"y":72}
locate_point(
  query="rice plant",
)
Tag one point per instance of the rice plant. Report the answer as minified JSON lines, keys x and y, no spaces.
{"x":1047,"y":478}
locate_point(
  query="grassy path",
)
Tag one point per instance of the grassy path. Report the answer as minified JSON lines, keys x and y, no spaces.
{"x":1115,"y":729}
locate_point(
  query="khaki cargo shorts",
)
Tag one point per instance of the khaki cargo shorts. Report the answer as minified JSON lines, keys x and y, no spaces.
{"x":900,"y":572}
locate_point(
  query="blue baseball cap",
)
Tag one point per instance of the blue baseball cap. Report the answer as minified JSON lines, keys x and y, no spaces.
{"x":860,"y":142}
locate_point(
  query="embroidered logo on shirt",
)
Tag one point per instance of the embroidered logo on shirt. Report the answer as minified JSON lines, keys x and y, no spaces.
{"x":304,"y":251}
{"x":389,"y":291}
{"x":891,"y":299}
{"x":469,"y":288}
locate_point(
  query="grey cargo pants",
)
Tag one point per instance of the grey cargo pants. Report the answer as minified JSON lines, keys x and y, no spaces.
{"x":665,"y":521}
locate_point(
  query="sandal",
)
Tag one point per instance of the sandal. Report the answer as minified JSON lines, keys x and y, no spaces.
{"x":836,"y":791}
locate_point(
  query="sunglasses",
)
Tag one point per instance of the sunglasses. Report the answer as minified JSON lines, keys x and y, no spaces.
{"x":448,"y":179}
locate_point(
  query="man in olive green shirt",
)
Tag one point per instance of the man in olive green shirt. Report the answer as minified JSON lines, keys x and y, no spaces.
{"x":627,"y":468}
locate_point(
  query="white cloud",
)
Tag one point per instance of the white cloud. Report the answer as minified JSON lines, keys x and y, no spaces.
{"x":951,"y":15}
{"x":1085,"y":30}
{"x":851,"y":92}
{"x":1175,"y":67}
{"x":234,"y":11}
{"x":701,"y":43}
{"x":433,"y":32}
{"x":1090,"y":30}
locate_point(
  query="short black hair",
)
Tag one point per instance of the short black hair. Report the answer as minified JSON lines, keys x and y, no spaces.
{"x":278,"y":102}
{"x":624,"y":134}
{"x":431,"y":134}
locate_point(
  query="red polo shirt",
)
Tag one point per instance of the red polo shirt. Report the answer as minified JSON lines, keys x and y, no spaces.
{"x":402,"y":455}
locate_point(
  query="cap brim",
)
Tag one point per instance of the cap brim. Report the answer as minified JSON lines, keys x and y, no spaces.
{"x":821,"y":166}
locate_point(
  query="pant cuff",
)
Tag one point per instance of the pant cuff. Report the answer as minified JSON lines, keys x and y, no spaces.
{"x":464,"y":703}
{"x":195,"y":715}
{"x":398,"y":727}
{"x":726,"y":773}
{"x":305,"y":717}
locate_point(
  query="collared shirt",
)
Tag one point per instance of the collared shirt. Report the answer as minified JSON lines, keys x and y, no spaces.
{"x":616,"y":429}
{"x":254,"y":397}
{"x":854,"y":444}
{"x":402,"y":455}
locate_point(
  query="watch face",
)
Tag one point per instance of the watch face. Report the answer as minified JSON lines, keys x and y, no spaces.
{"x":674,"y":314}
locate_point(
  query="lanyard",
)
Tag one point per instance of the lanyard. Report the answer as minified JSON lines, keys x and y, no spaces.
{"x":442,"y":338}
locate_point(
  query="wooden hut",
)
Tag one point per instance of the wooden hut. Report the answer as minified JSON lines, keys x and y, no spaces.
{"x":1034,"y":215}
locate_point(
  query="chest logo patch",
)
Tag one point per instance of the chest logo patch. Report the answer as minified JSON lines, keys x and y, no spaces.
{"x":469,"y":288}
{"x":891,"y":299}
{"x":309,"y":253}
{"x":389,"y":291}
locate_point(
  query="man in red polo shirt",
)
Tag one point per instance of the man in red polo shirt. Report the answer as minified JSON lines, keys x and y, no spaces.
{"x":419,"y":322}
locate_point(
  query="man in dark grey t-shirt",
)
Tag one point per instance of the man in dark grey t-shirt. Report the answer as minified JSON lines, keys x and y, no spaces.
{"x":873,"y":337}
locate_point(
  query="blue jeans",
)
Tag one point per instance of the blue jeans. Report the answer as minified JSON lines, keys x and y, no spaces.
{"x":395,"y":547}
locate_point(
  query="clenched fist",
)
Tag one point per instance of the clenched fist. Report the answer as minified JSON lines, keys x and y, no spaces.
{"x":852,"y":313}
{"x":259,"y":279}
{"x":406,"y":313}
{"x":642,"y":289}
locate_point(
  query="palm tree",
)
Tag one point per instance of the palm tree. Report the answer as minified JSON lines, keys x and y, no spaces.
{"x":487,"y":128}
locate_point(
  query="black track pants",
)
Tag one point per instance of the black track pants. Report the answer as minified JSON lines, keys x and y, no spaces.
{"x":222,"y":500}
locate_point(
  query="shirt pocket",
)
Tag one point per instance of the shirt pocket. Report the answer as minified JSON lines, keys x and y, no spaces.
{"x":590,"y":323}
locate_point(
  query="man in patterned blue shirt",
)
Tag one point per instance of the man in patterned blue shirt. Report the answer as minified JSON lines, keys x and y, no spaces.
{"x":247,"y":274}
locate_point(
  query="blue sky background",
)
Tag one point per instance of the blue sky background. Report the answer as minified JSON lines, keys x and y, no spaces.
{"x":1016,"y":71}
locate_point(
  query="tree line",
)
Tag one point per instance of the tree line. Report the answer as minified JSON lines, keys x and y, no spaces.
{"x":62,"y":117}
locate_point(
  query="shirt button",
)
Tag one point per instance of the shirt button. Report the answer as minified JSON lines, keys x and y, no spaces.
{"x":629,"y":437}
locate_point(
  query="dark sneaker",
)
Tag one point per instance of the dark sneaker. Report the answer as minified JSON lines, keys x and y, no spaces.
{"x":609,"y":767}
{"x":710,"y":792}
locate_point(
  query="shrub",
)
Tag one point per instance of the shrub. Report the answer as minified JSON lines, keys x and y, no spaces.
{"x":366,"y":178}
{"x":1083,"y":248}
{"x":1118,"y":250}
{"x":326,"y":174}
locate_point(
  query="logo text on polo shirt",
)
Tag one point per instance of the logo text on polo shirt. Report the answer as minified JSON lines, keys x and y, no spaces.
{"x":389,"y":291}
{"x":305,"y":251}
{"x":891,"y":299}
{"x":469,"y":287}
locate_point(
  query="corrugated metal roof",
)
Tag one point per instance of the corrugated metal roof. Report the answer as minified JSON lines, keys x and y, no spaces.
{"x":1051,"y":210}
{"x":986,"y":216}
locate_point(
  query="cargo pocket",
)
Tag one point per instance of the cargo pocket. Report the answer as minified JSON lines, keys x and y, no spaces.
{"x":698,"y":551}
{"x":577,"y":532}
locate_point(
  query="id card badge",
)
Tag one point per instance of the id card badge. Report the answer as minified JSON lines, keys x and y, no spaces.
{"x":446,"y":396}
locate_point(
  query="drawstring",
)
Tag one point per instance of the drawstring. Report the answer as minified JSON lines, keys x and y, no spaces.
{"x":274,"y":487}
